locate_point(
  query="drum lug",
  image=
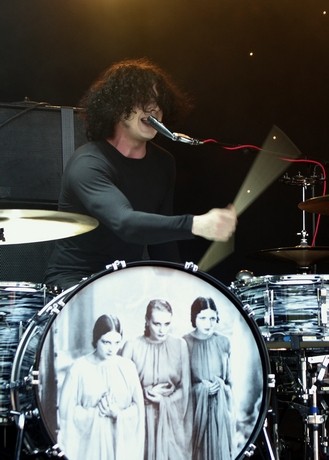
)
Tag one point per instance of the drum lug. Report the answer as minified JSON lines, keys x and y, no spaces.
{"x":248,"y":310}
{"x":269,"y":303}
{"x":191,"y":266}
{"x":323,"y":309}
{"x":271,"y":381}
{"x":54,"y":308}
{"x":250,"y":450}
{"x":116,"y":265}
{"x":55,"y":451}
{"x":34,"y":378}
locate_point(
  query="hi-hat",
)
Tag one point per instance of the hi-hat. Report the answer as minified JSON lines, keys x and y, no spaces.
{"x":33,"y":225}
{"x":303,"y":255}
{"x":319,"y":205}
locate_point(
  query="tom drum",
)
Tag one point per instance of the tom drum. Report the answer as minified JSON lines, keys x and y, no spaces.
{"x":292,"y":309}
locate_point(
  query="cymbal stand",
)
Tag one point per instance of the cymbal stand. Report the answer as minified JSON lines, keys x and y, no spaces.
{"x":303,"y":233}
{"x":315,"y":420}
{"x":272,"y":451}
{"x":268,"y":443}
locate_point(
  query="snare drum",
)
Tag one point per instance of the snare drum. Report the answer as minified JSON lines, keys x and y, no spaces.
{"x":288,"y":308}
{"x":19,"y":301}
{"x":61,"y":333}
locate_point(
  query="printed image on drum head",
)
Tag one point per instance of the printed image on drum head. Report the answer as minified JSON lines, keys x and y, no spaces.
{"x":152,"y":359}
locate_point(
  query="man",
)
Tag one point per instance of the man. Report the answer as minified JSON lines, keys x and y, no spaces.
{"x":126,"y":181}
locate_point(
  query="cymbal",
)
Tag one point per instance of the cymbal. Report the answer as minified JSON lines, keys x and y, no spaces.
{"x":35,"y":225}
{"x":303,"y":256}
{"x":319,"y":205}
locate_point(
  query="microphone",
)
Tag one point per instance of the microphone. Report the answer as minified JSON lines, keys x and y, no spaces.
{"x":160,"y":127}
{"x":177,"y":137}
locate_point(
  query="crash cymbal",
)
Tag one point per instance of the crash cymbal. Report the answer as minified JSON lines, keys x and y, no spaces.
{"x":319,"y":205}
{"x":34,"y":225}
{"x":303,"y":256}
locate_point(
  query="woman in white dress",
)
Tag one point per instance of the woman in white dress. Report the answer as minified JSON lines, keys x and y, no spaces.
{"x":213,"y":427}
{"x":101,"y":409}
{"x":163,"y":366}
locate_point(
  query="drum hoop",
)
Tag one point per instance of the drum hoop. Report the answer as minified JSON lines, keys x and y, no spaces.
{"x":273,"y":281}
{"x":21,"y":286}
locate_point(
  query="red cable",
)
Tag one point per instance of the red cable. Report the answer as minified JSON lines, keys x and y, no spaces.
{"x":292,"y":160}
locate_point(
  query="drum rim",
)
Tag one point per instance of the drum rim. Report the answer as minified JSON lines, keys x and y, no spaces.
{"x":15,"y":285}
{"x":277,"y":279}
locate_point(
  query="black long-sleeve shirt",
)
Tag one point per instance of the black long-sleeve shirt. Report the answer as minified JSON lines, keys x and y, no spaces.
{"x":133,"y":201}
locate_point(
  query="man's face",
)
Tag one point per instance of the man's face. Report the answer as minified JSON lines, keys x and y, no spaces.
{"x":136,"y":127}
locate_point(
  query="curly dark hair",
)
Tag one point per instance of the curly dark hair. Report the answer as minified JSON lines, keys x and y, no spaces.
{"x":122,"y":87}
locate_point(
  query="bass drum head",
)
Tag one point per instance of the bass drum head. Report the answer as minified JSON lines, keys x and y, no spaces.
{"x":62,"y":334}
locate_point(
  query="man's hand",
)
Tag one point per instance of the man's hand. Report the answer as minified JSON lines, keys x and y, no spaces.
{"x":216,"y":225}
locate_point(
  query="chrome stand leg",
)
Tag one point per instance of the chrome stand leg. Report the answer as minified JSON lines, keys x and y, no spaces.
{"x":20,"y":423}
{"x":268,"y":443}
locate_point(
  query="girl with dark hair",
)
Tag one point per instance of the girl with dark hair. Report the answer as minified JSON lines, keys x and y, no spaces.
{"x":163,"y":366}
{"x":210,"y":351}
{"x":101,"y":401}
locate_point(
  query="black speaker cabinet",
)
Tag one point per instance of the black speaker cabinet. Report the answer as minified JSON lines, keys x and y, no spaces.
{"x":36,"y":141}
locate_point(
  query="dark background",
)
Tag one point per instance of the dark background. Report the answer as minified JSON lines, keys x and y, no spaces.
{"x":52,"y":50}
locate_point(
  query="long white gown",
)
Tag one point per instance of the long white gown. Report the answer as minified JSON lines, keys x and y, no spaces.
{"x":213,"y":428}
{"x":168,"y":424}
{"x":84,"y":433}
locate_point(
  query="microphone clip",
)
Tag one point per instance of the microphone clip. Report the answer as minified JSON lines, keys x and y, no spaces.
{"x":178,"y":137}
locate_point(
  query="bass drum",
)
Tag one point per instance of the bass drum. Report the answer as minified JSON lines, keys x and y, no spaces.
{"x":62,"y":334}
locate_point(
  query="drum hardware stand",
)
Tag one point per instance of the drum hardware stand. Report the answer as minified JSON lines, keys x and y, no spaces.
{"x":20,"y":419}
{"x":314,"y":419}
{"x":273,"y":452}
{"x":303,"y":232}
{"x":268,"y":443}
{"x":20,"y":424}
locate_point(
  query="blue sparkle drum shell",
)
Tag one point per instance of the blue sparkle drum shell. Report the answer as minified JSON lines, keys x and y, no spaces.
{"x":19,"y":302}
{"x":61,"y":333}
{"x":288,"y":309}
